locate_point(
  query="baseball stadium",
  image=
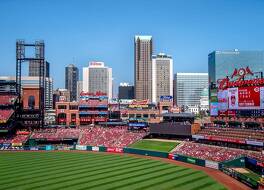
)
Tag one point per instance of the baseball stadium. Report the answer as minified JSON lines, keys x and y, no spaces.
{"x":99,"y":144}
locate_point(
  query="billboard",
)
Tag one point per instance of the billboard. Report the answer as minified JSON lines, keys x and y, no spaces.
{"x":214,"y":108}
{"x":250,"y":97}
{"x":222,"y":96}
{"x":166,"y":98}
{"x":233,"y":98}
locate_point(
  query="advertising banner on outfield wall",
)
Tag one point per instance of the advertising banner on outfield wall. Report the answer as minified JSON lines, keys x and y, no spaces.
{"x":95,"y":148}
{"x":80,"y":147}
{"x":117,"y":150}
{"x":211,"y":164}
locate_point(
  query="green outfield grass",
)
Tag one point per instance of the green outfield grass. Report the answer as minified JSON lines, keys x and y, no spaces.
{"x":155,"y":145}
{"x":75,"y":170}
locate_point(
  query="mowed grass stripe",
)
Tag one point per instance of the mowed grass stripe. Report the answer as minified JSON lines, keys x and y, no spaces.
{"x":40,"y":160}
{"x":123,"y":180}
{"x":54,"y":174}
{"x":190,"y":182}
{"x":90,"y":175}
{"x":97,"y":171}
{"x":47,"y":172}
{"x":49,"y":157}
{"x":132,"y":179}
{"x":161,"y":181}
{"x":46,"y":165}
{"x":163,"y":146}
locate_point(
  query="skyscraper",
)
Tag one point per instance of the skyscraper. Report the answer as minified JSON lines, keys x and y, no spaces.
{"x":189,"y":87}
{"x":71,"y":78}
{"x":143,"y":67}
{"x":125,"y":91}
{"x":33,"y":70}
{"x":162,"y":67}
{"x":79,"y":88}
{"x":97,"y":77}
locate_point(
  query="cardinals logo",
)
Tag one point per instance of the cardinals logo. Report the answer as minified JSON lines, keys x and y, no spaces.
{"x":241,"y":73}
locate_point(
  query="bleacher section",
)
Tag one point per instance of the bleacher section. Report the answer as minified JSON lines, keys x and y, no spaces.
{"x":18,"y":139}
{"x":7,"y":99}
{"x":110,"y":137}
{"x":5,"y":114}
{"x":56,"y":134}
{"x":214,"y":153}
{"x":232,"y":134}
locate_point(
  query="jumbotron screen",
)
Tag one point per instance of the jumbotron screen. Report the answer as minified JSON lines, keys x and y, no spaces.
{"x":250,"y":97}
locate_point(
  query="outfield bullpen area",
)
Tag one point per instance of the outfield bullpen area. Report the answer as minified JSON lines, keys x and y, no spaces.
{"x":155,"y":145}
{"x":86,"y":170}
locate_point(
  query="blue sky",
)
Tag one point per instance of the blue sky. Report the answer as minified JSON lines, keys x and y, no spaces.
{"x":104,"y":30}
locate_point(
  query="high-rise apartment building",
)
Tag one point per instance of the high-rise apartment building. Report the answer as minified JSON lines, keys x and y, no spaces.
{"x":71,"y":78}
{"x":162,"y":76}
{"x":97,"y":77}
{"x":143,"y":67}
{"x":189,"y":87}
{"x":125,"y":91}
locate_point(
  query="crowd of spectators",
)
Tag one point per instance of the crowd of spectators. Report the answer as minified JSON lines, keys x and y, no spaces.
{"x":214,"y":153}
{"x":56,"y":133}
{"x":5,"y":114}
{"x":7,"y":99}
{"x":17,"y":139}
{"x":233,"y":133}
{"x":110,"y":137}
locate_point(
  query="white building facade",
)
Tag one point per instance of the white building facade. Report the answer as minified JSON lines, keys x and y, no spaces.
{"x":188,"y":89}
{"x":162,"y":76}
{"x":97,"y":77}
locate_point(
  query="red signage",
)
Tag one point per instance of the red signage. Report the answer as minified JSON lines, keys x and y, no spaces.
{"x":215,"y":138}
{"x":117,"y":150}
{"x":248,"y":97}
{"x":241,"y":73}
{"x":171,"y":156}
{"x":239,"y":82}
{"x":93,"y":94}
{"x":85,"y":119}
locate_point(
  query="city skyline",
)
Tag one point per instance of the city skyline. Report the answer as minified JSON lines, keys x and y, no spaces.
{"x":188,"y":38}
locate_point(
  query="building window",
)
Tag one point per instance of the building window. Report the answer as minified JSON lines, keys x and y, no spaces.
{"x":60,"y":107}
{"x":31,"y":102}
{"x":73,"y":107}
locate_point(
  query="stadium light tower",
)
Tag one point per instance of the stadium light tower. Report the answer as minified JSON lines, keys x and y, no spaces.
{"x":38,"y":57}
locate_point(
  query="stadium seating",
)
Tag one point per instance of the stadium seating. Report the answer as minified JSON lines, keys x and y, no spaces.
{"x":5,"y":114}
{"x":7,"y":99}
{"x":17,"y":139}
{"x":214,"y":153}
{"x":56,"y":133}
{"x":233,"y":133}
{"x":110,"y":137}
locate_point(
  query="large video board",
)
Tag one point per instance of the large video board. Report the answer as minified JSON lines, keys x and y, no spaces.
{"x":251,"y":97}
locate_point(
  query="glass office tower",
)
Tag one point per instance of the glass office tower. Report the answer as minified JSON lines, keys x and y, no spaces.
{"x":189,"y":87}
{"x":223,"y":63}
